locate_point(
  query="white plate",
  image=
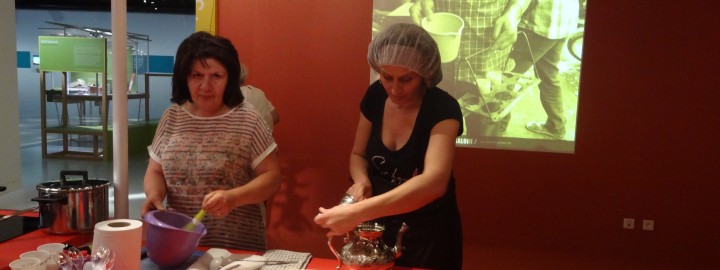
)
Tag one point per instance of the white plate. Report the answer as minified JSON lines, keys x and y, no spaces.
{"x":204,"y":262}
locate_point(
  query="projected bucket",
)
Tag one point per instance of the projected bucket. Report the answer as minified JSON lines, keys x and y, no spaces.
{"x":446,"y":30}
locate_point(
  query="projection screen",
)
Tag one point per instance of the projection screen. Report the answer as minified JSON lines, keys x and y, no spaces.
{"x":514,"y":69}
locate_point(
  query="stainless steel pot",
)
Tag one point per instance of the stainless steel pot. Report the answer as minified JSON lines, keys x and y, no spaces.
{"x":68,"y":207}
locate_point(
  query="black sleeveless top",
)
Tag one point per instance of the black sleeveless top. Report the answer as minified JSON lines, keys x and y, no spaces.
{"x":434,"y":237}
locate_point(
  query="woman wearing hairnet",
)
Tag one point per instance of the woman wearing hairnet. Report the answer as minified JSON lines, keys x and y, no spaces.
{"x":401,"y":162}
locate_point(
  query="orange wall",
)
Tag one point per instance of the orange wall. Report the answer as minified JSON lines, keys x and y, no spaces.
{"x":646,"y":146}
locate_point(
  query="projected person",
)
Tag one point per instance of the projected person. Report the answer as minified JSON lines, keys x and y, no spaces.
{"x":489,"y":33}
{"x":545,"y":26}
{"x":401,"y":161}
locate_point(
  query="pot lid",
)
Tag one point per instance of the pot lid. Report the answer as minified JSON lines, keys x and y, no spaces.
{"x":73,"y":185}
{"x":64,"y":185}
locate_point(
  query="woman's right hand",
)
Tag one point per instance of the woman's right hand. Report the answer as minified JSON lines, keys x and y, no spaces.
{"x":154,"y":187}
{"x":151,"y":204}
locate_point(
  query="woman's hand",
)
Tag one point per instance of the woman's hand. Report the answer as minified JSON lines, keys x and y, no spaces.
{"x":154,"y":187}
{"x":360,"y":191}
{"x":217,"y":203}
{"x":339,"y":219}
{"x":151,"y":204}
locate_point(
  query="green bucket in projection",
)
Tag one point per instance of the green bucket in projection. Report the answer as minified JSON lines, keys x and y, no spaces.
{"x":446,"y":29}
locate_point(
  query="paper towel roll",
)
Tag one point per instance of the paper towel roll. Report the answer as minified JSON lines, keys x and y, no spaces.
{"x":124,"y":238}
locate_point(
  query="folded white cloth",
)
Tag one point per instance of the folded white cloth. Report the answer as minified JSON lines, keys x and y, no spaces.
{"x":301,"y":259}
{"x":214,"y":258}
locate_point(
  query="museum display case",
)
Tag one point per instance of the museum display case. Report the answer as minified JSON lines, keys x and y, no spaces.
{"x":75,"y":69}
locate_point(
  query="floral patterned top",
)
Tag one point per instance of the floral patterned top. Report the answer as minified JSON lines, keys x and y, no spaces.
{"x":202,"y":154}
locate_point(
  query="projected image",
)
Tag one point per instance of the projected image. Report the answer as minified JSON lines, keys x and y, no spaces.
{"x":513,"y":67}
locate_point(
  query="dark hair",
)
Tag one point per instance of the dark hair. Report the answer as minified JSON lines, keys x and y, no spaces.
{"x":200,"y":46}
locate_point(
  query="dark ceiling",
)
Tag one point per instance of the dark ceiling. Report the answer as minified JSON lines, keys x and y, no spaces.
{"x":148,"y":6}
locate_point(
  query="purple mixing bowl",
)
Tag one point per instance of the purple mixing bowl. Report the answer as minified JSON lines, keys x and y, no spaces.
{"x":167,"y":244}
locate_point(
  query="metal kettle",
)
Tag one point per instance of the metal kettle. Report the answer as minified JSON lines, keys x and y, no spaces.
{"x":366,"y":250}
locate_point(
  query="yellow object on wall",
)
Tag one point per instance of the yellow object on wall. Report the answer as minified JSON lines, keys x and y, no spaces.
{"x":205,"y":16}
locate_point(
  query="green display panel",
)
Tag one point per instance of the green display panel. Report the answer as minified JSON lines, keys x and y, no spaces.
{"x":74,"y":54}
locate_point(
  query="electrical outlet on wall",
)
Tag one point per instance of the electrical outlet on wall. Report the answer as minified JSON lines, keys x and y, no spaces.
{"x":628,"y":223}
{"x":648,"y":224}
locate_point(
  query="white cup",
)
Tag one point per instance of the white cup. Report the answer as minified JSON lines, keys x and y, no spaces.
{"x":484,"y":86}
{"x":55,"y":250}
{"x":51,"y":247}
{"x":27,"y":264}
{"x":43,"y":256}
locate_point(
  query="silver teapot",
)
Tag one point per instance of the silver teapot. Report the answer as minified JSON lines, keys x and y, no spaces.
{"x":366,"y":250}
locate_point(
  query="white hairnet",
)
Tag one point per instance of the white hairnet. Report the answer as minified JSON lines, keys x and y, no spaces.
{"x":409,"y":46}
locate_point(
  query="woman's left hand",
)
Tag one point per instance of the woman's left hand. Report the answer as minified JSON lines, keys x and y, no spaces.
{"x":217,"y":203}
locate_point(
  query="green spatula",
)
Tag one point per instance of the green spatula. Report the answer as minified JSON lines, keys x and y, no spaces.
{"x":198,"y":217}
